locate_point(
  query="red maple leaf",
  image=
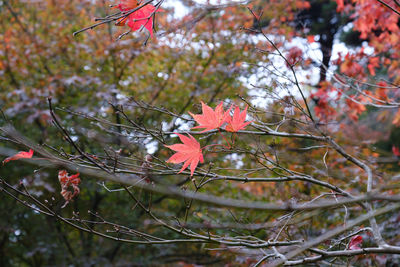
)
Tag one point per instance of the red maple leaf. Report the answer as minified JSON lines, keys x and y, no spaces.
{"x":355,"y":242}
{"x":236,"y":122}
{"x":188,"y":152}
{"x":138,"y":19}
{"x":211,"y":119}
{"x":20,"y":155}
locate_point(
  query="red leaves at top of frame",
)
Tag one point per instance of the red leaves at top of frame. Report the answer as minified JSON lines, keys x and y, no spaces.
{"x":189,"y":152}
{"x":236,"y":122}
{"x":340,"y":5}
{"x":138,"y":19}
{"x":67,"y":181}
{"x":211,"y":119}
{"x":379,"y":18}
{"x":303,"y":4}
{"x":20,"y":155}
{"x":355,"y":242}
{"x":126,"y":5}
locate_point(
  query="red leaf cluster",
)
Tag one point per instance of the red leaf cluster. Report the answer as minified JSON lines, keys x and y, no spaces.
{"x":373,"y":63}
{"x":67,"y":181}
{"x":350,"y":67}
{"x":322,"y":97}
{"x":190,"y":151}
{"x":355,"y":109}
{"x":379,"y":18}
{"x":214,"y":119}
{"x":303,"y":4}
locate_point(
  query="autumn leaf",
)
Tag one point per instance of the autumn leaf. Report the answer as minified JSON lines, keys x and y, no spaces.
{"x":302,"y":4}
{"x":396,"y":151}
{"x":211,"y":119}
{"x":396,"y":120}
{"x":373,"y":63}
{"x":350,"y":67}
{"x":236,"y":122}
{"x":311,"y":38}
{"x":381,"y":92}
{"x":294,"y":55}
{"x":355,"y":242}
{"x":355,"y":108}
{"x":67,"y":181}
{"x":20,"y":155}
{"x":126,"y":5}
{"x":138,"y":19}
{"x":340,"y":5}
{"x":189,"y":152}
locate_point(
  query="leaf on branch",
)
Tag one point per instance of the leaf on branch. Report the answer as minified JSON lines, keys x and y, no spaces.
{"x":126,"y":5}
{"x":355,"y":108}
{"x":355,"y":242}
{"x":396,"y":151}
{"x":236,"y":122}
{"x":396,"y":119}
{"x":20,"y":155}
{"x":372,"y":65}
{"x":189,"y":152}
{"x":138,"y":19}
{"x":294,"y":55}
{"x":211,"y":119}
{"x":67,"y":181}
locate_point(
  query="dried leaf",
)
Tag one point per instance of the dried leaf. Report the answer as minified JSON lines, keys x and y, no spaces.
{"x":66,"y":181}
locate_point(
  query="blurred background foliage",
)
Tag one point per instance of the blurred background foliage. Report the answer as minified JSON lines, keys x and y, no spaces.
{"x":203,"y":56}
